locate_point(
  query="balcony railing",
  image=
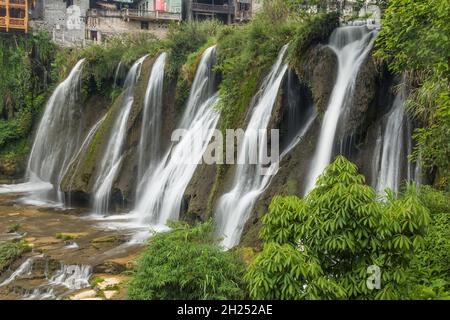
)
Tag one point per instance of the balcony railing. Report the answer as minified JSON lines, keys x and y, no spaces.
{"x":14,"y":3}
{"x":104,"y":13}
{"x":212,"y":8}
{"x":151,"y":15}
{"x":13,"y":23}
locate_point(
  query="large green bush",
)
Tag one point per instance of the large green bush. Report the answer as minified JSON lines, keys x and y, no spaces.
{"x":414,"y":40}
{"x":184,"y":263}
{"x":330,"y":238}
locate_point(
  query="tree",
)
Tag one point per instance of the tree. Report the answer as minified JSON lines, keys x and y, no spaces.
{"x":320,"y":247}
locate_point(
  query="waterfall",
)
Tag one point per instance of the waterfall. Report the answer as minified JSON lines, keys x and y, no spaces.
{"x":393,"y":148}
{"x":234,"y":207}
{"x":57,"y":137}
{"x":149,"y":143}
{"x":117,"y":74}
{"x":351,"y":45}
{"x":163,"y":185}
{"x":112,"y":158}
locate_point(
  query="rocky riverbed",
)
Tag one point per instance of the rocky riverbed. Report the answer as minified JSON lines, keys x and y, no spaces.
{"x":66,"y":254}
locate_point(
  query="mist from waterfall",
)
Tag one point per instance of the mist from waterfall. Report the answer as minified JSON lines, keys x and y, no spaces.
{"x":163,"y":185}
{"x":113,"y":156}
{"x":351,"y":45}
{"x":149,"y":151}
{"x":234,"y":207}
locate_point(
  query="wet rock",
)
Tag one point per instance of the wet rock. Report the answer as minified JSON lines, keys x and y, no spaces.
{"x":110,"y":267}
{"x":109,"y":294}
{"x":13,"y":168}
{"x":85,"y":295}
{"x":318,"y":69}
{"x":108,"y":239}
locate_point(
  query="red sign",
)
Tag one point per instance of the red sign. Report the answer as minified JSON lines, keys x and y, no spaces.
{"x":160,"y":5}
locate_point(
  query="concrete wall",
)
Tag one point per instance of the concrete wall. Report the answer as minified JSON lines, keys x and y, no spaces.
{"x":105,"y":27}
{"x":65,"y":24}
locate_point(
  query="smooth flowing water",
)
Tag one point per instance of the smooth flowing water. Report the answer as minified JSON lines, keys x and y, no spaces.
{"x":393,"y":148}
{"x":234,"y":207}
{"x":149,"y":151}
{"x":164,"y":185}
{"x":112,"y":158}
{"x":57,"y":140}
{"x":351,"y":45}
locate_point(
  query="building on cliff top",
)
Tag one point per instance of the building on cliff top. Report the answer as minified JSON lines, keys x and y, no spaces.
{"x":14,"y":15}
{"x":75,"y":22}
{"x":64,"y":20}
{"x":228,"y":11}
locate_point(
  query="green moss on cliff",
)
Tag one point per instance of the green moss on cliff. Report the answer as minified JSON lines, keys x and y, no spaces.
{"x":10,"y":251}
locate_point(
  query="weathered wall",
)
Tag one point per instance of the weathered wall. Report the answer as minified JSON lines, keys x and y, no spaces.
{"x":65,"y":24}
{"x":107,"y":26}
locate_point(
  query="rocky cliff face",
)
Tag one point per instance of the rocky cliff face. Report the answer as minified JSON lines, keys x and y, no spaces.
{"x":306,"y":89}
{"x":314,"y":81}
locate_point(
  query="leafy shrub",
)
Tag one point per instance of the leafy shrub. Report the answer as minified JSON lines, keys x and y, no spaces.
{"x":10,"y":251}
{"x":421,"y":51}
{"x":184,"y":263}
{"x":334,"y":234}
{"x":184,"y":39}
{"x":430,"y":268}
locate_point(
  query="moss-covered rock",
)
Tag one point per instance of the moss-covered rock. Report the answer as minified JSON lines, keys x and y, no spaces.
{"x":80,"y":176}
{"x":318,"y":69}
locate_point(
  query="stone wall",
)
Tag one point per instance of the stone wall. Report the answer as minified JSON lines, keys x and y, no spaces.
{"x":100,"y":27}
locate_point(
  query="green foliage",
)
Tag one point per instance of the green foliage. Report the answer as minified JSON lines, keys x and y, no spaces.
{"x":10,"y":251}
{"x":338,"y":230}
{"x":314,"y":30}
{"x":280,"y":222}
{"x":103,"y":59}
{"x":184,"y":39}
{"x":434,"y":140}
{"x":245,"y":53}
{"x":25,"y":65}
{"x":184,"y":263}
{"x":422,"y":51}
{"x":430,"y":268}
{"x":415,"y":35}
{"x":13,"y":228}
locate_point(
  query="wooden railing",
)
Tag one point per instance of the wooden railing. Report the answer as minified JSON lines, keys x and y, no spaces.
{"x":7,"y":22}
{"x":210,"y":8}
{"x":151,"y":15}
{"x":17,"y":3}
{"x":104,"y":13}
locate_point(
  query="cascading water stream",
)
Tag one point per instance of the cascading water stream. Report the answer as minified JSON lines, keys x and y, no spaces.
{"x":149,"y":144}
{"x":56,"y":141}
{"x":393,"y":146}
{"x":164,"y":185}
{"x":249,"y":182}
{"x":112,"y":158}
{"x":351,"y":45}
